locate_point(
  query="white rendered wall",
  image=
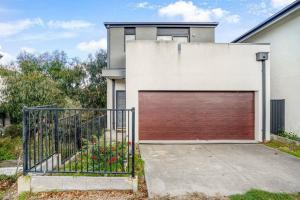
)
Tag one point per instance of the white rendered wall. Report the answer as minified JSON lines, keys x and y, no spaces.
{"x":284,"y":37}
{"x":119,"y":85}
{"x":161,"y":65}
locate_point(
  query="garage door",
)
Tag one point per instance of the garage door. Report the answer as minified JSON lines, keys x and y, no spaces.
{"x":196,"y":115}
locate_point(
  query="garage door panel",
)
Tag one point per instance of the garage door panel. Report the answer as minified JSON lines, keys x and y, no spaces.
{"x":196,"y":115}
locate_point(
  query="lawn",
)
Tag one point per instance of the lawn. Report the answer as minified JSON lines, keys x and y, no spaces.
{"x":292,"y":149}
{"x":263,"y":195}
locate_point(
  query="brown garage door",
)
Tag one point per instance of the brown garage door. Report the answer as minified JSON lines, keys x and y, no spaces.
{"x":196,"y":115}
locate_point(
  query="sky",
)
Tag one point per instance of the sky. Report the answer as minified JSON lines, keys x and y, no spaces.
{"x":76,"y":26}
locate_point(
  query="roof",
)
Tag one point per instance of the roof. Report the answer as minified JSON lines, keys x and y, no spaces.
{"x":274,"y":18}
{"x":161,"y":24}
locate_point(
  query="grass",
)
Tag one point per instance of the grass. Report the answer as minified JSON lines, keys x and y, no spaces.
{"x":255,"y":194}
{"x":292,"y":149}
{"x":24,"y":196}
{"x":10,"y":148}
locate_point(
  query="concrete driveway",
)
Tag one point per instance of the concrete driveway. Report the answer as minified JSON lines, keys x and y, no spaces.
{"x":221,"y":169}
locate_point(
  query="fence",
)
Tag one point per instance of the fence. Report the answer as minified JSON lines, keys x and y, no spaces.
{"x":63,"y":140}
{"x":277,"y":116}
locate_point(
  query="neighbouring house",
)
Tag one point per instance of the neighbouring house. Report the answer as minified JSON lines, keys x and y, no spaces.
{"x":184,"y":86}
{"x":282,"y":31}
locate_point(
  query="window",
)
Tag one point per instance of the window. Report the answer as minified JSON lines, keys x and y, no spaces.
{"x":179,"y":35}
{"x":180,"y":39}
{"x":129,"y":37}
{"x":129,"y":34}
{"x":164,"y":38}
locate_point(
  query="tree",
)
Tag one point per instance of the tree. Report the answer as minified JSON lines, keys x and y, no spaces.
{"x":30,"y":89}
{"x":52,"y":78}
{"x":94,"y":91}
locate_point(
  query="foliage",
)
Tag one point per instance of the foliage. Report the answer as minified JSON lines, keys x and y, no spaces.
{"x":10,"y":148}
{"x":99,"y":158}
{"x":292,"y":149}
{"x":24,"y":195}
{"x":52,"y":78}
{"x":30,"y":89}
{"x":14,"y":130}
{"x":289,"y":135}
{"x":94,"y":92}
{"x":262,"y":195}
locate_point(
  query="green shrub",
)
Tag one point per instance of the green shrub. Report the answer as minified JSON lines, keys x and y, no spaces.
{"x":289,"y":135}
{"x":10,"y":148}
{"x":14,"y":130}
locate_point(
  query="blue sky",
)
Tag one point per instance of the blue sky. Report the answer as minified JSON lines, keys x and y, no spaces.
{"x":76,"y":26}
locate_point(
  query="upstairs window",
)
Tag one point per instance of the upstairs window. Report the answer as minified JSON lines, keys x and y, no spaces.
{"x":129,"y":34}
{"x":179,"y":35}
{"x":164,"y":38}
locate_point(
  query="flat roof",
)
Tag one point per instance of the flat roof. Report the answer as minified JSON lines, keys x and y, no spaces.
{"x":160,"y":24}
{"x":274,"y":18}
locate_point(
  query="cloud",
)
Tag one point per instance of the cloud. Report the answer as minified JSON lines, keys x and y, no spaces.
{"x":188,"y":11}
{"x":46,"y":36}
{"x":28,"y":49}
{"x":6,"y":57}
{"x":146,"y":5}
{"x":280,"y":3}
{"x":71,"y":24}
{"x":93,"y":45}
{"x":12,"y":28}
{"x":233,"y":19}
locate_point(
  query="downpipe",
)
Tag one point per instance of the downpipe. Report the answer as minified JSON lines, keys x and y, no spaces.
{"x":263,"y":56}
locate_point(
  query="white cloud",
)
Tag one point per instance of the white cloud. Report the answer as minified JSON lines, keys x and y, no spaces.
{"x":93,"y":45}
{"x":46,"y":36}
{"x":219,"y":12}
{"x":6,"y":57}
{"x":280,"y":3}
{"x":233,"y":19}
{"x":71,"y":25}
{"x":188,"y":11}
{"x":12,"y":28}
{"x":28,"y":49}
{"x":146,"y":5}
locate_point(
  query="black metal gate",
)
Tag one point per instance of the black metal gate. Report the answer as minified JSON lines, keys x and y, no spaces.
{"x":277,"y":116}
{"x":65,"y":140}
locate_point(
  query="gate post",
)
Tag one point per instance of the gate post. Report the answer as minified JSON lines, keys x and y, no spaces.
{"x":133,"y":139}
{"x":56,"y":130}
{"x":25,"y":139}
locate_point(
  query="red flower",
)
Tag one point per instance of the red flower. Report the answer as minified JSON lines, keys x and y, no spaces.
{"x":112,"y":160}
{"x":129,"y":142}
{"x":94,"y":157}
{"x":113,"y":148}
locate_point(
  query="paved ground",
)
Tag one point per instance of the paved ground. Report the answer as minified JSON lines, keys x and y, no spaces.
{"x":9,"y":167}
{"x":222,"y":169}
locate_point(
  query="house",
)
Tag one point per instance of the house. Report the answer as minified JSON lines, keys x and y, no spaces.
{"x":282,"y":31}
{"x":184,"y":86}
